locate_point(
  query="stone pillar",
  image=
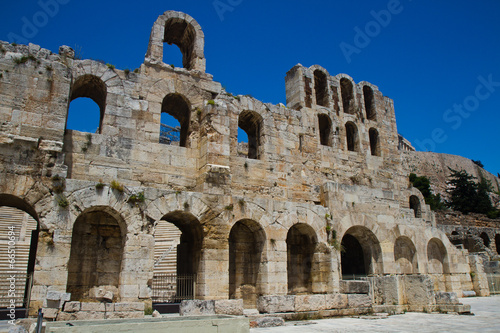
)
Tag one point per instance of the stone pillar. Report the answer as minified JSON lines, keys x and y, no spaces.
{"x":479,"y":278}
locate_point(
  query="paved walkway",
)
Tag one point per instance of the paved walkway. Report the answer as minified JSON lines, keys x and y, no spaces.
{"x":486,"y":319}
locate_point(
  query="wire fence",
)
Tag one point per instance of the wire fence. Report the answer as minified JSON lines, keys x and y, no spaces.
{"x":173,"y":288}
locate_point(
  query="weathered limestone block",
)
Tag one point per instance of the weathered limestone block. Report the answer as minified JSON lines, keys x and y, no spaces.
{"x":335,"y":301}
{"x":89,"y":315}
{"x":446,"y":298}
{"x":230,"y":307}
{"x":50,"y":313}
{"x":418,"y":290}
{"x":72,"y":306}
{"x":386,"y":290}
{"x":131,"y":306}
{"x":125,"y":314}
{"x":93,"y":306}
{"x":310,"y":303}
{"x":354,"y":287}
{"x":267,"y":322}
{"x":358,"y":301}
{"x":273,"y":304}
{"x":197,"y":308}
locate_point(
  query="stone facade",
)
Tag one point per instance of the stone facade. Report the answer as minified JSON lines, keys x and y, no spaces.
{"x":319,"y":175}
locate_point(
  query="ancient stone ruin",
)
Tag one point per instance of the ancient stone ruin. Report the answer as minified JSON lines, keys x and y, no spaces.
{"x":313,"y":214}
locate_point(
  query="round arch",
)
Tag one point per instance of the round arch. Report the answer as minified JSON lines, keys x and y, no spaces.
{"x":96,"y":255}
{"x":437,"y":257}
{"x":362,"y":253}
{"x":301,"y":241}
{"x":405,"y":255}
{"x":247,"y":240}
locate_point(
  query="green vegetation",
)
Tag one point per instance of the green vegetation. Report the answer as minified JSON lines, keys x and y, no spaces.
{"x":115,"y":185}
{"x":126,"y":71}
{"x":99,"y":185}
{"x":136,"y":198}
{"x":467,"y":196}
{"x":110,"y":66}
{"x":229,"y":207}
{"x":423,"y":184}
{"x":62,"y":201}
{"x":211,"y":102}
{"x":478,"y":163}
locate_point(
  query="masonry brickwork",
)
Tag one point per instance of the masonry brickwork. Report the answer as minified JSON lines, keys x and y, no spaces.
{"x":319,"y":174}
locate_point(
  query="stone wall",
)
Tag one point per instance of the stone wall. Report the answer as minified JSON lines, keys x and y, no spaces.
{"x":323,"y":168}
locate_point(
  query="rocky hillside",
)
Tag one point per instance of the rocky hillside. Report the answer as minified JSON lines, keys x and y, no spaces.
{"x":436,"y":166}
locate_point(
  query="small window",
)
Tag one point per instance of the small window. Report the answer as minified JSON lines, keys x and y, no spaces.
{"x":321,"y":88}
{"x":352,"y":136}
{"x":347,"y":95}
{"x":179,"y":110}
{"x":374,"y":142}
{"x":250,"y":122}
{"x":369,"y":103}
{"x":325,"y":129}
{"x":183,"y":35}
{"x":87,"y":104}
{"x":415,"y":206}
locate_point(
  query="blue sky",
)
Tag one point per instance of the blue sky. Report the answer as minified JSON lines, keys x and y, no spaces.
{"x":438,"y":60}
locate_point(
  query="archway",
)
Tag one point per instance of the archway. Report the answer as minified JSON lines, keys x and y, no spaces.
{"x":362,"y":254}
{"x":347,"y":93}
{"x":437,"y":257}
{"x":95,"y":261}
{"x":301,"y":243}
{"x":246,"y":243}
{"x":20,"y":224}
{"x":369,"y":103}
{"x":251,"y":123}
{"x":179,"y":282}
{"x":178,"y":107}
{"x":405,"y":255}
{"x":485,"y":238}
{"x":415,"y":206}
{"x":497,"y":243}
{"x":325,"y":129}
{"x":321,"y":88}
{"x":352,"y":136}
{"x":374,"y":142}
{"x":93,"y":88}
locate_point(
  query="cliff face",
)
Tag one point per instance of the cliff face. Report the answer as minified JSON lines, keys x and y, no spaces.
{"x":436,"y":166}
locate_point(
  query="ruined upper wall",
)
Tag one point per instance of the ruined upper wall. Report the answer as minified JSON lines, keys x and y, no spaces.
{"x":333,"y":130}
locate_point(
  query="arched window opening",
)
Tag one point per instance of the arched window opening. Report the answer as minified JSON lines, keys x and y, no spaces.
{"x":497,"y":243}
{"x":95,"y":260}
{"x":182,"y":34}
{"x":86,"y":114}
{"x":374,"y":142}
{"x":405,"y":256}
{"x":352,"y":136}
{"x":325,"y":129}
{"x":178,"y":108}
{"x":321,"y":88}
{"x":415,"y":206}
{"x":250,"y":123}
{"x":369,"y":103}
{"x":347,"y":92}
{"x":362,"y":253}
{"x":485,"y":238}
{"x":246,"y":244}
{"x":301,"y":243}
{"x":437,"y":257}
{"x":21,"y":222}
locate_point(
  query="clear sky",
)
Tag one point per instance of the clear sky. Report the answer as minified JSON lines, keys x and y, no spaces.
{"x":438,"y":60}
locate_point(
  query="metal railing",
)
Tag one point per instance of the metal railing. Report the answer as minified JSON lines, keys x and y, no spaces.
{"x":173,"y":288}
{"x":15,"y":288}
{"x":494,"y":283}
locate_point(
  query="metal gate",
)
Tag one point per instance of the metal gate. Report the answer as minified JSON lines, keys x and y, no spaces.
{"x":15,"y":289}
{"x":494,"y":283}
{"x":173,"y":288}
